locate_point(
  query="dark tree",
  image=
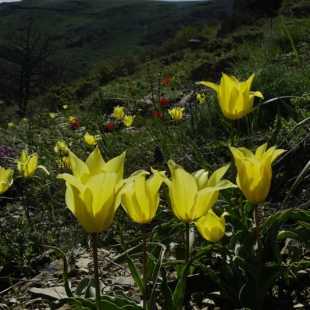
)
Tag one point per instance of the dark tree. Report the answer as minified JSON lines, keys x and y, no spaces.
{"x":28,"y":65}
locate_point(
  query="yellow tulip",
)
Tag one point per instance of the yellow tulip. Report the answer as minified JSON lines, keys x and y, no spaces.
{"x":212,"y":227}
{"x":201,"y":98}
{"x":192,"y":195}
{"x":11,"y":124}
{"x":118,"y":113}
{"x":6,"y":179}
{"x":64,"y":163}
{"x":65,"y":106}
{"x":141,"y":198}
{"x":71,"y":118}
{"x":90,"y":139}
{"x":176,"y":113}
{"x":61,"y":148}
{"x":128,"y":119}
{"x":235,"y":98}
{"x":27,"y":165}
{"x":95,"y":188}
{"x":52,"y":115}
{"x":254,"y":171}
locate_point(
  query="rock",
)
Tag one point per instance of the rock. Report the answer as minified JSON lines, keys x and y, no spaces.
{"x":208,"y":302}
{"x":52,"y":293}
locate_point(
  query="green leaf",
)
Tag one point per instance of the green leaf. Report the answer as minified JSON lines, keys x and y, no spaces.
{"x":65,"y":271}
{"x":82,"y":285}
{"x":156,"y":270}
{"x":134,"y":272}
{"x":166,"y":292}
{"x":91,"y":289}
{"x":118,"y":300}
{"x":80,"y":303}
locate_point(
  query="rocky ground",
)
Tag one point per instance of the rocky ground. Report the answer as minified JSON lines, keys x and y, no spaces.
{"x":37,"y":293}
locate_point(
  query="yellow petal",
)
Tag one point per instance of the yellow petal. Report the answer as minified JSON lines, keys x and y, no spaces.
{"x":212,"y":227}
{"x":95,"y":162}
{"x":116,"y":165}
{"x":217,"y":175}
{"x":79,"y":168}
{"x":211,"y":85}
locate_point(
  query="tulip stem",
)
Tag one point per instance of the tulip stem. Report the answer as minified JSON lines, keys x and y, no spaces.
{"x":186,"y":260}
{"x":95,"y":257}
{"x":232,"y":143}
{"x":144,"y":258}
{"x":26,"y":206}
{"x":259,"y":256}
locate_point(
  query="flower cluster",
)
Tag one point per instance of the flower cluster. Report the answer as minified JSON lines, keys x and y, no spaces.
{"x":119,"y":115}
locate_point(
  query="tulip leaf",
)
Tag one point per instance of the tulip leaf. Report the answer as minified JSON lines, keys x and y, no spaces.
{"x":91,"y":289}
{"x":134,"y":273}
{"x":179,"y":291}
{"x":166,"y":291}
{"x":116,"y":300}
{"x":156,"y":268}
{"x":82,"y":285}
{"x":80,"y":303}
{"x":65,"y":270}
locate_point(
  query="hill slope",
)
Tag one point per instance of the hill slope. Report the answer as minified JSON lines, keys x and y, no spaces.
{"x":89,"y":31}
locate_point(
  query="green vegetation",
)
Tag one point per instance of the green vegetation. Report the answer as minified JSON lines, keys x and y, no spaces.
{"x":147,"y":74}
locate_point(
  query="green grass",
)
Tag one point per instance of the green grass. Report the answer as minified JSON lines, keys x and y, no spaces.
{"x":90,"y":31}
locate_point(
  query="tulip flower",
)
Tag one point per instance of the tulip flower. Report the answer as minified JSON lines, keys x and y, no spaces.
{"x":176,"y":113}
{"x":212,"y":227}
{"x":254,"y":171}
{"x":166,"y":80}
{"x":141,"y":198}
{"x":27,"y":165}
{"x":61,"y":148}
{"x":75,"y":124}
{"x":64,"y":163}
{"x":11,"y":124}
{"x":158,"y":113}
{"x":65,"y":106}
{"x":128,"y":119}
{"x":110,"y":126}
{"x":235,"y":98}
{"x":192,"y":195}
{"x":6,"y":179}
{"x":95,"y":188}
{"x":118,"y":113}
{"x":163,"y":101}
{"x":52,"y":115}
{"x":201,"y":98}
{"x":90,"y":139}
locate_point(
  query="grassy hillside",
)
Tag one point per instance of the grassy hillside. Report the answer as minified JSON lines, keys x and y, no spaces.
{"x":90,"y":31}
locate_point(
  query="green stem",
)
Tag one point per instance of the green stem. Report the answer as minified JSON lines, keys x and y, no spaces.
{"x":144,"y":258}
{"x":26,"y":206}
{"x":95,"y":257}
{"x":232,"y":143}
{"x":233,"y":171}
{"x":259,"y":256}
{"x":143,"y":226}
{"x":186,"y":262}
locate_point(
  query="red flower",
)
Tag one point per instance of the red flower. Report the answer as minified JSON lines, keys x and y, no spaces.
{"x":158,"y":113}
{"x":166,"y":80}
{"x":163,"y":101}
{"x":111,"y":126}
{"x":75,"y":124}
